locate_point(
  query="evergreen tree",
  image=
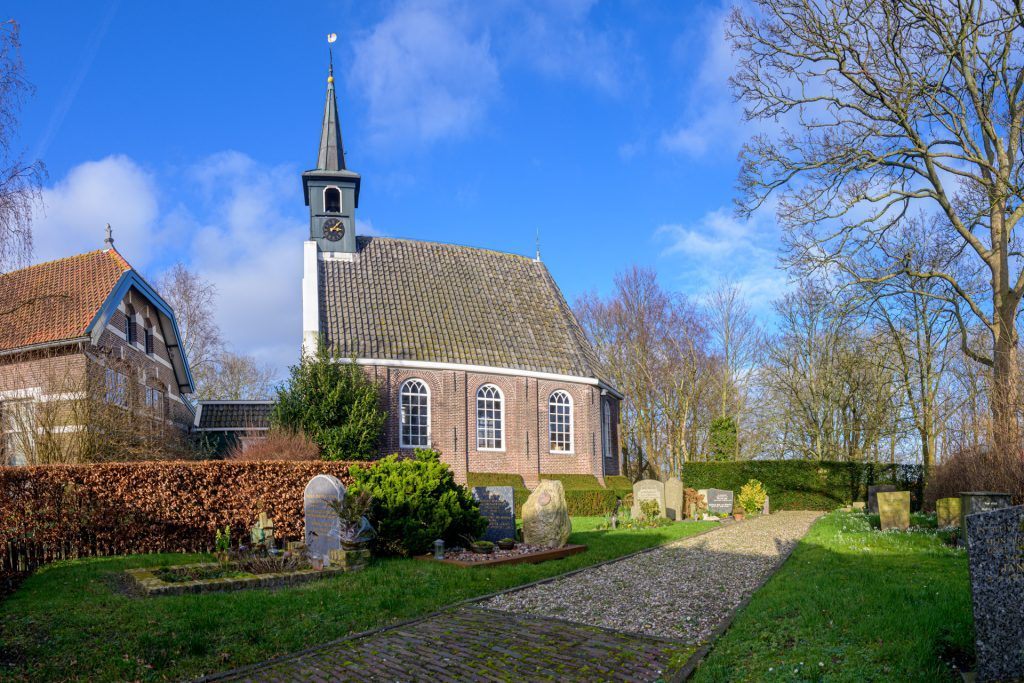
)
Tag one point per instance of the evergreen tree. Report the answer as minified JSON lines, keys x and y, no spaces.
{"x":722,"y":440}
{"x":334,"y":404}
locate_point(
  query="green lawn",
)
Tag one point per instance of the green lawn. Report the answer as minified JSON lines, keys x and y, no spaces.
{"x":853,"y":604}
{"x":70,"y":620}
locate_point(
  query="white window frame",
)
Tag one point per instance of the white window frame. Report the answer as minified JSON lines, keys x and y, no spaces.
{"x":551,"y":424}
{"x":23,"y":433}
{"x":501,"y":417}
{"x":606,"y":428}
{"x":341,"y":199}
{"x":402,"y":442}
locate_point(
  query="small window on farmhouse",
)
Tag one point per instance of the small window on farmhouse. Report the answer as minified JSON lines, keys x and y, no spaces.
{"x":490,"y":418}
{"x":130,"y":332}
{"x":17,"y":431}
{"x":560,"y":422}
{"x":149,"y":337}
{"x":116,"y":386}
{"x":332,"y":200}
{"x":414,"y":404}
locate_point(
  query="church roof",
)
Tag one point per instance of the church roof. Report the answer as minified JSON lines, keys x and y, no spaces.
{"x":425,"y":301}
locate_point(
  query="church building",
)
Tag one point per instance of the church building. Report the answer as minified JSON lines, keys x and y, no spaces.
{"x":476,"y":351}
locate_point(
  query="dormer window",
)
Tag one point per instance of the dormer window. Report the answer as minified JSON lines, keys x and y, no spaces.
{"x":332,"y":200}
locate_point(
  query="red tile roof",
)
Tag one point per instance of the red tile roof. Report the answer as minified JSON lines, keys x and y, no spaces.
{"x":56,"y":300}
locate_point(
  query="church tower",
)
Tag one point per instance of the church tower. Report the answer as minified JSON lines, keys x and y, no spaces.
{"x":330,"y":189}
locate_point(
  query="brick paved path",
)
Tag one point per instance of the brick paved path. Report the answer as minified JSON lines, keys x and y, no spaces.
{"x":477,"y":644}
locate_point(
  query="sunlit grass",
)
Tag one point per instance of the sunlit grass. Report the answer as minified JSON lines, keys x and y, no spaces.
{"x":854,"y":604}
{"x":70,"y":621}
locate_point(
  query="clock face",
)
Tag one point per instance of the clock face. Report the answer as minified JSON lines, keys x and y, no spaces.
{"x":334,"y":229}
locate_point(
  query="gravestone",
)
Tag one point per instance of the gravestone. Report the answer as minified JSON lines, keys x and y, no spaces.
{"x":973,"y":502}
{"x":995,"y":548}
{"x":873,"y":491}
{"x":720,"y":501}
{"x":894,"y":509}
{"x":546,"y":521}
{"x":947,"y":512}
{"x":674,"y":499}
{"x":497,"y":506}
{"x":648,"y":489}
{"x":323,"y":528}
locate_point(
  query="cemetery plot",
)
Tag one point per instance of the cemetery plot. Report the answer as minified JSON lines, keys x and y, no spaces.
{"x":210,"y":576}
{"x":520,"y":554}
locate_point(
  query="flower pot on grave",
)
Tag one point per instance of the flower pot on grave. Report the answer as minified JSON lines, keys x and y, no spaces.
{"x":738,"y":515}
{"x":507,"y":544}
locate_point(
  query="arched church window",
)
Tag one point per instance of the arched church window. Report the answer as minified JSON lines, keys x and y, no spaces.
{"x":332,"y":200}
{"x":490,"y":418}
{"x":414,"y":407}
{"x":560,"y":422}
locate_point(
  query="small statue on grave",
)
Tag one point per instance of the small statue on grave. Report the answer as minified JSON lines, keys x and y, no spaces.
{"x":263,"y":532}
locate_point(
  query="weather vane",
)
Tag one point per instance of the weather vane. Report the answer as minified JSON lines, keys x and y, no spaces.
{"x":331,"y":37}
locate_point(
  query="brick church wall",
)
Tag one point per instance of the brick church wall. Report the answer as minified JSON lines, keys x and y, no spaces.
{"x":526,"y":452}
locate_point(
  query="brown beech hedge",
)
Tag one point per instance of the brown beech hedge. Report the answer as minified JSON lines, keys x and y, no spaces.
{"x":62,"y":511}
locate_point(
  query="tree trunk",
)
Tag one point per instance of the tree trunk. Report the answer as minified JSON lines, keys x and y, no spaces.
{"x":1003,"y":401}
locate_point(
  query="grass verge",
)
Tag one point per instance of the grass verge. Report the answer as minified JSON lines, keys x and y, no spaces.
{"x":854,"y":604}
{"x":69,"y":621}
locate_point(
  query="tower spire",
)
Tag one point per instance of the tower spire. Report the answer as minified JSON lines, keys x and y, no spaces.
{"x":331,"y":156}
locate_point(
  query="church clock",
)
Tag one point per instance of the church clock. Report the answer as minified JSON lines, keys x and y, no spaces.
{"x":334,"y":229}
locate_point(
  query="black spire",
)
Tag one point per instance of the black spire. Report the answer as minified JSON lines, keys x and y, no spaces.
{"x":332,"y":152}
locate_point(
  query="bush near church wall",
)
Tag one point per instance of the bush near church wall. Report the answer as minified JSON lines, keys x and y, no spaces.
{"x":806,"y":484}
{"x":61,"y":511}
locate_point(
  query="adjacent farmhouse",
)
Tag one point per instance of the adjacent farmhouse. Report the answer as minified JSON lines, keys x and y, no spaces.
{"x":476,"y":352}
{"x":90,"y":362}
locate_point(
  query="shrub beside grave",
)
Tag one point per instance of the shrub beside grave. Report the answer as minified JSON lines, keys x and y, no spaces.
{"x":804,"y":484}
{"x":415,"y":501}
{"x":752,"y":496}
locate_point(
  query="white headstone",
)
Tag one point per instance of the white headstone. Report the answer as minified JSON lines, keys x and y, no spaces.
{"x":323,"y":529}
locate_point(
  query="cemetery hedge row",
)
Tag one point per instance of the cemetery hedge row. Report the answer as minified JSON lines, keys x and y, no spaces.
{"x":58,"y":511}
{"x":584,"y":496}
{"x":806,"y":485}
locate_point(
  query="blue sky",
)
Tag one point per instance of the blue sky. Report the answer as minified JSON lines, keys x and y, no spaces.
{"x":608,"y":127}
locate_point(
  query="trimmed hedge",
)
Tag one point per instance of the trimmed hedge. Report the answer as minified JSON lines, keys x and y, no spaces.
{"x":583,"y":495}
{"x":805,"y":484}
{"x":55,"y":512}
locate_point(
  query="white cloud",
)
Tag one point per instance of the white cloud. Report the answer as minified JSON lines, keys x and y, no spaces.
{"x":77,"y":209}
{"x":427,"y":72}
{"x":721,"y":247}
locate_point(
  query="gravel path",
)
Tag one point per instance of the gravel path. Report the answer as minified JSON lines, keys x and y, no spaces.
{"x":682,"y":590}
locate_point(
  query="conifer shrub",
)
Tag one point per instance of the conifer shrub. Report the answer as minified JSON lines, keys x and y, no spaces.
{"x":415,"y":501}
{"x":334,"y":404}
{"x":752,"y":496}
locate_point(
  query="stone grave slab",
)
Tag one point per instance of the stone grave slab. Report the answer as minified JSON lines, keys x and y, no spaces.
{"x":873,"y":491}
{"x":674,"y":499}
{"x":894,"y":509}
{"x":973,"y":502}
{"x":720,"y":501}
{"x":947,"y":512}
{"x":648,"y":489}
{"x":323,"y":529}
{"x":497,"y":505}
{"x":995,"y":548}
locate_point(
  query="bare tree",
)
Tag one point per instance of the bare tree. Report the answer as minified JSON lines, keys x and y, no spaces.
{"x":737,"y":339}
{"x":192,"y":299}
{"x":237,"y":377}
{"x":219,"y":373}
{"x":896,"y":104}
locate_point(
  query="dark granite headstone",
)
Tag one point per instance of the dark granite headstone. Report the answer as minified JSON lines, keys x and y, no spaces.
{"x":720,"y":501}
{"x":498,"y":507}
{"x":973,"y":502}
{"x":323,"y":528}
{"x":995,"y":548}
{"x":873,"y":492}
